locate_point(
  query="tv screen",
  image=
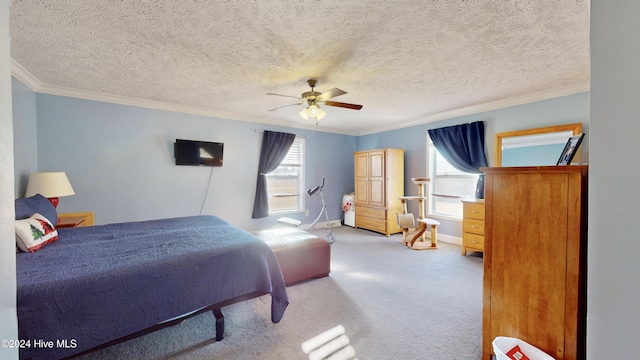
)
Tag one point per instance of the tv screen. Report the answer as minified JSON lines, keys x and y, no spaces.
{"x":194,"y":152}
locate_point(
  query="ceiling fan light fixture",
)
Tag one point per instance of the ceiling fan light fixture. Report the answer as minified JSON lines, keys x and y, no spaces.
{"x":304,"y":114}
{"x":313,"y":98}
{"x":313,"y":111}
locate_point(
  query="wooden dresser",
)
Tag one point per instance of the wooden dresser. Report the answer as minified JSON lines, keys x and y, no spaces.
{"x":534,"y":284}
{"x":379,"y":184}
{"x":472,"y":226}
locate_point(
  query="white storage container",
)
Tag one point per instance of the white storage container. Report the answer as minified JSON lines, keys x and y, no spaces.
{"x":349,"y":209}
{"x":502,"y":345}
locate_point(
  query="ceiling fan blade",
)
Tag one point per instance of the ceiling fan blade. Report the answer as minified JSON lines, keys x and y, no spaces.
{"x":331,"y":94}
{"x":286,"y":106}
{"x":343,"y":105}
{"x":295,"y":97}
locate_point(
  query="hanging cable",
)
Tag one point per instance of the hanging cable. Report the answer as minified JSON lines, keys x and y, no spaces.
{"x":207,"y":192}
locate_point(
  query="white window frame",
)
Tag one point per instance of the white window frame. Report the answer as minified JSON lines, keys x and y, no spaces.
{"x":433,"y":194}
{"x":300,"y":143}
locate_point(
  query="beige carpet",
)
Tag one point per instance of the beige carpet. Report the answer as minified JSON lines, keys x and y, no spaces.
{"x":393,"y":302}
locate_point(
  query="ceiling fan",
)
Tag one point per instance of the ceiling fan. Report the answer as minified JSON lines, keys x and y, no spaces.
{"x":313,"y":99}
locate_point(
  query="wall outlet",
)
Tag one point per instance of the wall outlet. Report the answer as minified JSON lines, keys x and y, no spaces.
{"x":306,"y":213}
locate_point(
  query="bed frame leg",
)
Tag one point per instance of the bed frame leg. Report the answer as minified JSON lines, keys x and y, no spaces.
{"x":219,"y":324}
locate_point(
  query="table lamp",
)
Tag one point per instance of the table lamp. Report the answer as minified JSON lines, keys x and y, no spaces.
{"x":50,"y":185}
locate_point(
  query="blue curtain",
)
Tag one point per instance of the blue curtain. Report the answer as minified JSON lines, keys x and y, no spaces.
{"x":275,"y":146}
{"x":463,"y":147}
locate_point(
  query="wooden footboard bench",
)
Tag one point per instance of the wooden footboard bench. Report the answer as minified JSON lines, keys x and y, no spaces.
{"x":302,"y":256}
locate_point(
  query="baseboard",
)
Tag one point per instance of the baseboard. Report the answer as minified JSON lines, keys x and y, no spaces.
{"x":455,"y":240}
{"x":323,"y":224}
{"x":446,"y":238}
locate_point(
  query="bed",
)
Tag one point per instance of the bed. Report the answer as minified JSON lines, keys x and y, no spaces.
{"x":95,"y":285}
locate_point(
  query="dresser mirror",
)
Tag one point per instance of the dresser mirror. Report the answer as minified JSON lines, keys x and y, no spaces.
{"x":535,"y":147}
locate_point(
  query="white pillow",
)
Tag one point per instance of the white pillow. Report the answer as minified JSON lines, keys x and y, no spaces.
{"x":34,"y":232}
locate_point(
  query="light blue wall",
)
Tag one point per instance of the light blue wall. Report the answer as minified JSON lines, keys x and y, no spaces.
{"x":25,"y":150}
{"x":562,"y":110}
{"x":120,"y":158}
{"x":120,"y":162}
{"x":613,"y":314}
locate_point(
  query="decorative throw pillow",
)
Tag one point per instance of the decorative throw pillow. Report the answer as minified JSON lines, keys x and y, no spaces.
{"x":27,"y":206}
{"x":35,"y":232}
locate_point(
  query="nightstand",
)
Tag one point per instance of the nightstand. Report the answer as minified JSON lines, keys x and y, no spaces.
{"x":76,"y":219}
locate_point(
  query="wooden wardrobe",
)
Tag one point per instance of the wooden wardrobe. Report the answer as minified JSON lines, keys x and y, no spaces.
{"x":379,"y":184}
{"x":535,"y":257}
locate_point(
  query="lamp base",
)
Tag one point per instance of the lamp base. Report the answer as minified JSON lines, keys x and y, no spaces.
{"x":54,"y":201}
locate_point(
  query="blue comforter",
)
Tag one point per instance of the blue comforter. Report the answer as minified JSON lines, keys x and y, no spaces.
{"x":96,"y":284}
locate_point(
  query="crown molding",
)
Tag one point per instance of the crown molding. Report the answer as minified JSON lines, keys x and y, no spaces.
{"x":25,"y":76}
{"x":158,"y":105}
{"x":20,"y":73}
{"x":490,"y":106}
{"x":36,"y":85}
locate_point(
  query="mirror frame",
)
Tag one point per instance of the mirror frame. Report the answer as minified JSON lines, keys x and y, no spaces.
{"x":575,"y":128}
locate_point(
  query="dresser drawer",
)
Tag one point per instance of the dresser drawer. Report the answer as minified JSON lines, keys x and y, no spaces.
{"x":474,"y":211}
{"x":363,"y":211}
{"x":473,"y":226}
{"x":473,"y":241}
{"x":371,"y":224}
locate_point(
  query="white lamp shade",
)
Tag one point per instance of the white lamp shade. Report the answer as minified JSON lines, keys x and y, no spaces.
{"x":320,"y":114}
{"x":49,"y":184}
{"x":312,"y":111}
{"x":304,"y":114}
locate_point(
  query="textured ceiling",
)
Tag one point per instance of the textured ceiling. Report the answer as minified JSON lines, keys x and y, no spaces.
{"x":406,"y":62}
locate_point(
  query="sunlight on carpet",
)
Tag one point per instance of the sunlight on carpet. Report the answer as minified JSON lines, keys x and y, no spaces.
{"x":332,"y":344}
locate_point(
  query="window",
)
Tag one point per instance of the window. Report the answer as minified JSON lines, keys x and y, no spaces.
{"x":286,"y":183}
{"x":448,"y":185}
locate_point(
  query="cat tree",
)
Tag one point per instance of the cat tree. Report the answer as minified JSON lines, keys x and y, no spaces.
{"x":414,"y":236}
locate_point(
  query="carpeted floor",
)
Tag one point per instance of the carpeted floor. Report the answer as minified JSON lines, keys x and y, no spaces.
{"x":393,"y":302}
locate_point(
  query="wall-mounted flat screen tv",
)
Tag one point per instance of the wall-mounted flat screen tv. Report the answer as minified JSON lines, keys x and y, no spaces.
{"x":197,"y":153}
